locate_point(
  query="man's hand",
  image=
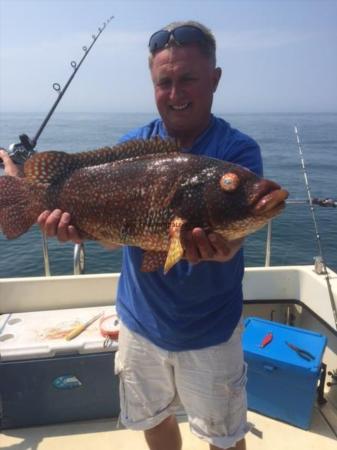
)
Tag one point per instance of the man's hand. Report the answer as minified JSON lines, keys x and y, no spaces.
{"x":57,"y":223}
{"x":213,"y":247}
{"x":11,"y":169}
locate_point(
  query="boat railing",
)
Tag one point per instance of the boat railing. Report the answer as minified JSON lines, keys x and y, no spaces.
{"x":268,"y":245}
{"x":79,"y":259}
{"x":79,"y":252}
{"x":318,"y":260}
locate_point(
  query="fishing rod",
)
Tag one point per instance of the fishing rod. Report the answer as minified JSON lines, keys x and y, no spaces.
{"x":24,"y":149}
{"x":318,"y":238}
{"x":323,"y":202}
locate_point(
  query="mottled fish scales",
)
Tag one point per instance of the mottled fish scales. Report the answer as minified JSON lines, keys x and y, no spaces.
{"x":140,"y":193}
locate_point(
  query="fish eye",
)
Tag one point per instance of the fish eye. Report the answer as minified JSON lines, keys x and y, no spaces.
{"x":229,"y":182}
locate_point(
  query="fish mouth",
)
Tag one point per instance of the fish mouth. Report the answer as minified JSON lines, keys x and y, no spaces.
{"x":270,"y":199}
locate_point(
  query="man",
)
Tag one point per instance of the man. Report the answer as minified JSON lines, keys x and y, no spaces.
{"x":180,"y":338}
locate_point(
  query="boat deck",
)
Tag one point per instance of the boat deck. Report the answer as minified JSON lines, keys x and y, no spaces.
{"x":105,"y":435}
{"x":268,"y":292}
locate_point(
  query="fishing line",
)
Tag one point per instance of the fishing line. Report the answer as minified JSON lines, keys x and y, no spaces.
{"x":318,"y":238}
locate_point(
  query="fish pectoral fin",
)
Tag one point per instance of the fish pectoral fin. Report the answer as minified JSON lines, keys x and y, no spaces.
{"x":152,"y":261}
{"x":175,"y":251}
{"x":174,"y":254}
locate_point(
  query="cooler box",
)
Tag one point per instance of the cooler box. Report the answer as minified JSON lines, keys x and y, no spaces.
{"x":46,"y":379}
{"x":281,"y":384}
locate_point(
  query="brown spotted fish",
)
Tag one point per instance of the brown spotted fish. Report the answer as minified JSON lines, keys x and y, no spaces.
{"x":143,"y":193}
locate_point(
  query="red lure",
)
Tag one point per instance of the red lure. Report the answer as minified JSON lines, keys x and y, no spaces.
{"x":266,"y":340}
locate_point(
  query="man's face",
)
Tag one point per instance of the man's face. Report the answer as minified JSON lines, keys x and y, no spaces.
{"x":184,"y":82}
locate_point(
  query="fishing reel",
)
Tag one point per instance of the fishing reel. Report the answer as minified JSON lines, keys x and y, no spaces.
{"x":20,"y":152}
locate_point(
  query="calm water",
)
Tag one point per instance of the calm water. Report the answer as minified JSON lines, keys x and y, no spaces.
{"x":294,"y":239}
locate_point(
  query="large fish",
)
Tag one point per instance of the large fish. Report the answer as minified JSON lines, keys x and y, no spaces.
{"x":143,"y":193}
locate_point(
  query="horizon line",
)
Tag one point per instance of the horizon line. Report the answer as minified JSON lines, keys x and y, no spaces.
{"x":157,"y":114}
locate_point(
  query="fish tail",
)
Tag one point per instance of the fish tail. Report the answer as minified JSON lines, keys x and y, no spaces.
{"x":18,"y":209}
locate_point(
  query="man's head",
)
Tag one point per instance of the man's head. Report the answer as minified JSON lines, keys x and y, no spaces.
{"x":182,"y":64}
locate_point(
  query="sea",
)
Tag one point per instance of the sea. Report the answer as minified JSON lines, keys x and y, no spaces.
{"x":294,"y":237}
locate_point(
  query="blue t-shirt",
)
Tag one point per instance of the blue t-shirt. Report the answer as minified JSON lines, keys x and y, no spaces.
{"x":192,"y":306}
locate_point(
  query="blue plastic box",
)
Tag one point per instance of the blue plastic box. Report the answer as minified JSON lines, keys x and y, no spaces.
{"x":57,"y":390}
{"x":46,"y":379}
{"x":281,"y":384}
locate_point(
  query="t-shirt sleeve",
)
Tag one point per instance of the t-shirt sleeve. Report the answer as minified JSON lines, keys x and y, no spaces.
{"x":140,"y":133}
{"x":133,"y":134}
{"x":249,"y":155}
{"x":243,"y":150}
{"x":236,"y":147}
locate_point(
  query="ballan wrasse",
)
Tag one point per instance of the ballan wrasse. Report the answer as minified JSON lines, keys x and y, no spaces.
{"x":144,"y":193}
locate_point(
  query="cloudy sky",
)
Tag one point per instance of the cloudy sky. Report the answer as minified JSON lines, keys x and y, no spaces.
{"x":276,"y":56}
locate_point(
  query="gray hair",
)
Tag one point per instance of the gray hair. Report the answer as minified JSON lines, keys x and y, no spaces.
{"x":207,"y":47}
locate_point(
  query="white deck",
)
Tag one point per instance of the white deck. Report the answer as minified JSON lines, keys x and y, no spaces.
{"x":103,"y":435}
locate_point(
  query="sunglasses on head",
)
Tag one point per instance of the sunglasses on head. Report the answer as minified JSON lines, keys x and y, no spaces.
{"x":186,"y":34}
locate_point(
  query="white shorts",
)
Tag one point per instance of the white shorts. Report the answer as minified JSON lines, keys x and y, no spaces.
{"x":209,"y":383}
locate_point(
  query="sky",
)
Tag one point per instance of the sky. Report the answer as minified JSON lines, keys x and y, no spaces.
{"x":276,"y":56}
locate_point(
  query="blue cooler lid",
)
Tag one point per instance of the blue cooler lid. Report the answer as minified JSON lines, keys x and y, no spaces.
{"x":256,"y":330}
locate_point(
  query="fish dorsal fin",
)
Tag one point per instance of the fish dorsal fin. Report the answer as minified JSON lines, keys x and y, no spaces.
{"x":134,"y":148}
{"x":142,"y":147}
{"x":49,"y":167}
